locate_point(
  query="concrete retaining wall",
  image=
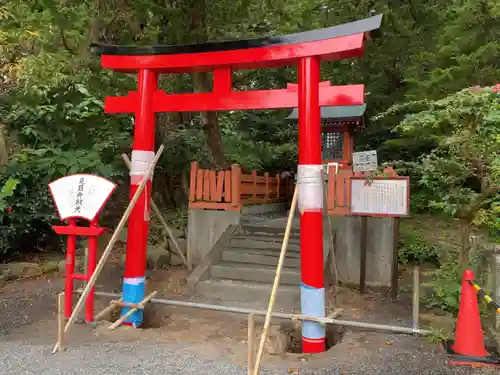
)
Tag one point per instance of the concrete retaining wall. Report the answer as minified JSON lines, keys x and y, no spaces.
{"x":206,"y":226}
{"x":379,"y":250}
{"x":204,"y":229}
{"x":258,"y":209}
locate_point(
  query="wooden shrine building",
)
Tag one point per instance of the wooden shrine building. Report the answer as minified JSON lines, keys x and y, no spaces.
{"x":338,"y":126}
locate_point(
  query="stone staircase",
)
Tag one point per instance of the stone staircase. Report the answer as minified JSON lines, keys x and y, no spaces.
{"x":242,"y":265}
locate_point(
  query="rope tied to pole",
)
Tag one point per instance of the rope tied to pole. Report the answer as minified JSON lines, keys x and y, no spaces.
{"x":485,"y":297}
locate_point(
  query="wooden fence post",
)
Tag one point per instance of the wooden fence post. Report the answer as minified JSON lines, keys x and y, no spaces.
{"x":192,"y":180}
{"x":206,"y":185}
{"x":235,"y":185}
{"x":254,"y":192}
{"x":278,"y":183}
{"x":266,"y":194}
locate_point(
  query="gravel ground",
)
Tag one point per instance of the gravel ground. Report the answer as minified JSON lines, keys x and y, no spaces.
{"x":25,"y":303}
{"x":107,"y":359}
{"x":25,"y":306}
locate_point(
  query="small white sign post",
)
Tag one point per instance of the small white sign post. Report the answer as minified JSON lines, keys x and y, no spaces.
{"x":81,"y":195}
{"x":364,"y":161}
{"x":379,"y":197}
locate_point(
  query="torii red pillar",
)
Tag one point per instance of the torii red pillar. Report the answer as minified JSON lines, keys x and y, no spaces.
{"x":310,"y":204}
{"x":138,"y":224}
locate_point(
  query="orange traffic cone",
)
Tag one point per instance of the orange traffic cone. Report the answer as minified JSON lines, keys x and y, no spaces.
{"x":468,"y":348}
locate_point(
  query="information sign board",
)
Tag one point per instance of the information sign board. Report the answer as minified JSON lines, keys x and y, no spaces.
{"x":380,"y":196}
{"x":364,"y":161}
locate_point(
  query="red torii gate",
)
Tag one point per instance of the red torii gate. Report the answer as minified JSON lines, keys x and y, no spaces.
{"x":305,"y":50}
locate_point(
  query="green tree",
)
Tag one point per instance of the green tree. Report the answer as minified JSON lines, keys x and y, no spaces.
{"x":461,"y":175}
{"x":467,"y":46}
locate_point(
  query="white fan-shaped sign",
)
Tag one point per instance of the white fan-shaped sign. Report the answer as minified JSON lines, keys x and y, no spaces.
{"x":81,"y":195}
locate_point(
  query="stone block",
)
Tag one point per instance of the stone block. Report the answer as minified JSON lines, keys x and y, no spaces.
{"x":178,"y":233}
{"x":158,"y":258}
{"x":61,"y":265}
{"x":50,"y":266}
{"x":14,"y":271}
{"x":182,"y":242}
{"x":277,"y":340}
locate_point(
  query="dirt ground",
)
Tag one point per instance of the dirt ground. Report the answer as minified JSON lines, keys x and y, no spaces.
{"x":210,"y":333}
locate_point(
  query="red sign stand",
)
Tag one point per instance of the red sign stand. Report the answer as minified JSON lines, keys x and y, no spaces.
{"x":80,"y":196}
{"x":92,"y":233}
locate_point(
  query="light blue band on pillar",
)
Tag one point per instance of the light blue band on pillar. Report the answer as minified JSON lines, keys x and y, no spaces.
{"x":133,"y":292}
{"x":312,"y":302}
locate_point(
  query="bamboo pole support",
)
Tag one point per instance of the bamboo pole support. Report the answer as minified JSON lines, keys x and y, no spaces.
{"x":276,"y":281}
{"x":140,"y":306}
{"x":126,"y":304}
{"x":246,"y":311}
{"x":163,"y":222}
{"x":251,"y":326}
{"x":107,"y":310}
{"x":111,"y":244}
{"x":60,"y":320}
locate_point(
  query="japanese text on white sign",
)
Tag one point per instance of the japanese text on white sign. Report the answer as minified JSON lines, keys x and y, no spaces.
{"x":384,"y":197}
{"x":364,"y":161}
{"x":80,"y":195}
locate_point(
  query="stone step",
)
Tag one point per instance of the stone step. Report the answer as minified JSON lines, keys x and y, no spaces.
{"x":264,"y":257}
{"x":287,"y":296}
{"x":270,"y":252}
{"x":267,"y":237}
{"x":254,"y":272}
{"x":257,"y":242}
{"x":268,"y":231}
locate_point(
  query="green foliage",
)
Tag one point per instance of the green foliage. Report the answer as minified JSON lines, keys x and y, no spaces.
{"x":52,"y":90}
{"x":461,"y":175}
{"x":7,"y":191}
{"x":437,"y":336}
{"x":445,"y":287}
{"x":59,"y":131}
{"x":465,"y":51}
{"x":413,"y":249}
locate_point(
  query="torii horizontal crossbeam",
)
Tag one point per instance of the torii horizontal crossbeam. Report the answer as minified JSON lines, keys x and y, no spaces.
{"x":234,"y":100}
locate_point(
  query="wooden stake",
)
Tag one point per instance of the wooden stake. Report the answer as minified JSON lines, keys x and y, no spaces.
{"x":111,"y":243}
{"x":395,"y":264}
{"x":60,"y":320}
{"x":162,"y":221}
{"x":363,"y":248}
{"x":416,"y":296}
{"x":330,"y":234}
{"x":250,"y":342}
{"x":106,"y":311}
{"x":133,"y":310}
{"x":276,"y":281}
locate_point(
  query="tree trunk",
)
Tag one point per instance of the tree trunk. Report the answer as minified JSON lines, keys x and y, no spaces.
{"x":210,"y":122}
{"x":196,"y":21}
{"x":4,"y":153}
{"x":464,"y":245}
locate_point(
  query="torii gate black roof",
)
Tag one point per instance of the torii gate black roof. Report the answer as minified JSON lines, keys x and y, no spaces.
{"x":369,"y":26}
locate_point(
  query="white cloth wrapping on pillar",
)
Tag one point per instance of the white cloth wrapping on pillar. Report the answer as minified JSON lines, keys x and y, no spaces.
{"x":141,"y":160}
{"x":310,"y":187}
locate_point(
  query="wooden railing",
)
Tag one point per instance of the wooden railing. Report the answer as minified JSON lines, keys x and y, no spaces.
{"x":230,"y":189}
